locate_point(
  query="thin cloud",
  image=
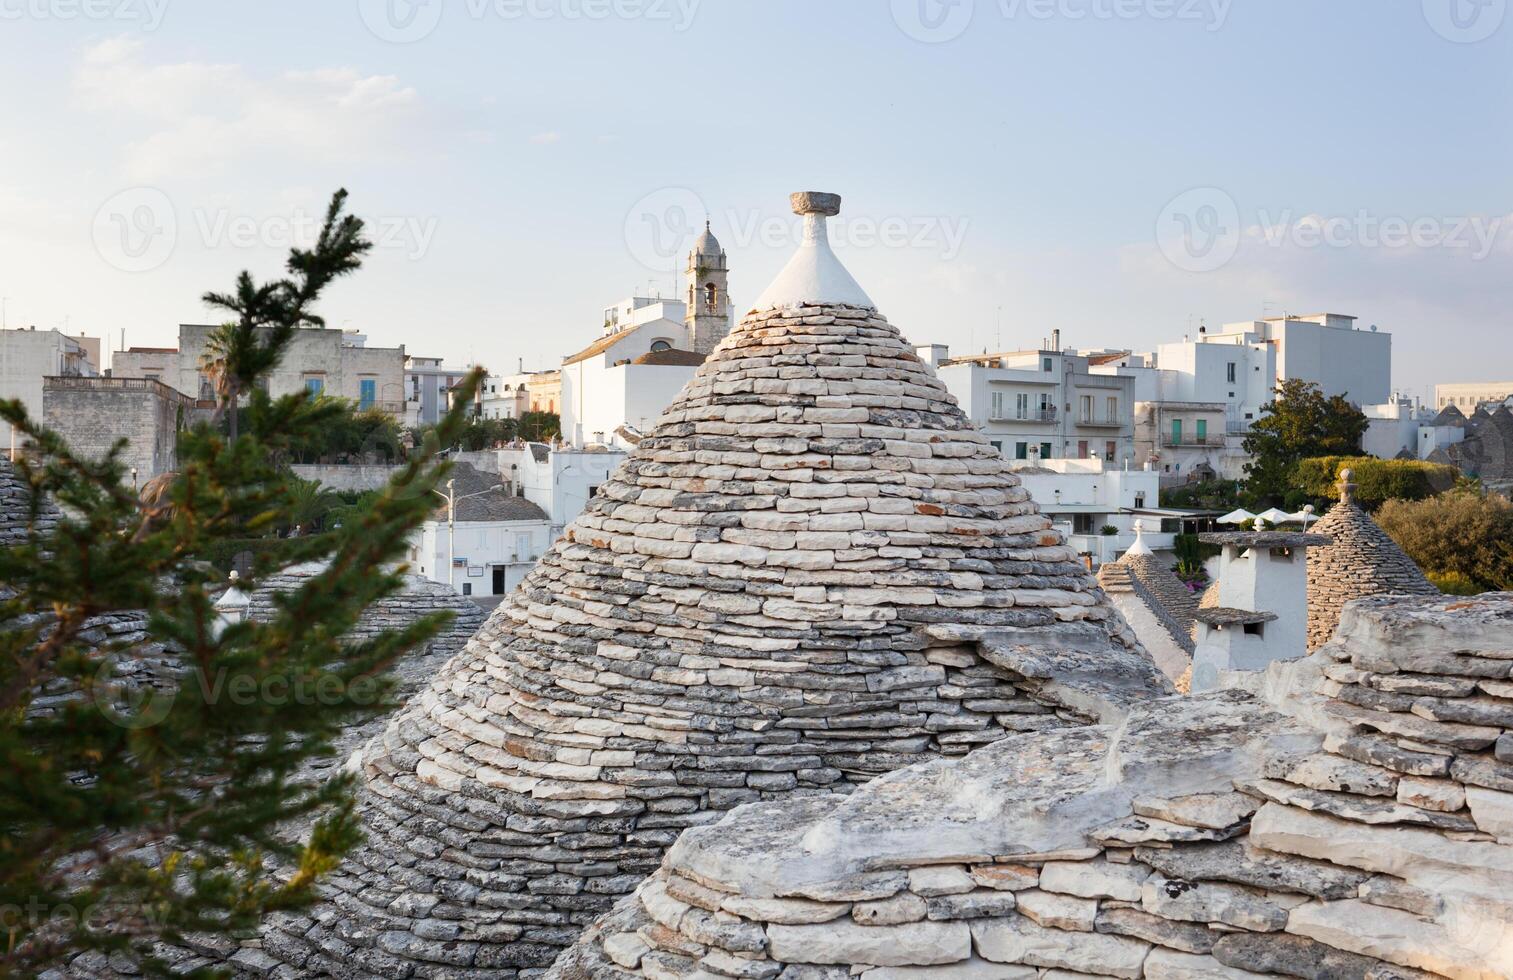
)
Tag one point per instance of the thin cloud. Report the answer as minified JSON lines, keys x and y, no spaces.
{"x":200,"y":116}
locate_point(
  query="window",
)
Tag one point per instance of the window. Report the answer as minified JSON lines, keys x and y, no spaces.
{"x":1202,"y":426}
{"x":660,"y":345}
{"x":315,"y":385}
{"x":711,"y":298}
{"x":1045,"y":450}
{"x":1046,"y":364}
{"x":1087,"y":408}
{"x":1110,"y":450}
{"x":997,"y":411}
{"x":1139,"y":499}
{"x":1176,"y":432}
{"x":1082,"y":449}
{"x":367,"y":392}
{"x":1082,"y":523}
{"x":1111,"y":409}
{"x":1021,"y":450}
{"x":1046,"y":408}
{"x":996,"y":445}
{"x":523,"y":547}
{"x":1022,"y":405}
{"x":1255,"y":629}
{"x":1230,"y":374}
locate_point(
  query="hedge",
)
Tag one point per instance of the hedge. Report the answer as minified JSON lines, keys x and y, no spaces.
{"x":1376,"y":480}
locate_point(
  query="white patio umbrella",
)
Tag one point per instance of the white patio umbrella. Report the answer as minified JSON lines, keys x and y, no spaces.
{"x":1274,"y":516}
{"x":1239,"y":516}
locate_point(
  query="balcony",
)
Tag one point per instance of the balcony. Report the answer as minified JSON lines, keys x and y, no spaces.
{"x":1186,"y":441}
{"x":1034,"y":415}
{"x":1100,"y":423}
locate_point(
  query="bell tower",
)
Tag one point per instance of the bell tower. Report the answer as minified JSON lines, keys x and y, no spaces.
{"x":708,"y":316}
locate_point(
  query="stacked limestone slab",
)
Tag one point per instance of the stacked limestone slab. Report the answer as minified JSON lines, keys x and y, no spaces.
{"x":1360,"y":561}
{"x":1207,"y":837}
{"x":1157,"y":604}
{"x":417,"y":597}
{"x":15,"y":507}
{"x":779,"y":593}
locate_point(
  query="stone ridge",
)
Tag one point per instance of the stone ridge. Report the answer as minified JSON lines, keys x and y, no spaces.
{"x":1362,"y":560}
{"x":1208,"y":837}
{"x":1169,"y":600}
{"x":744,"y":611}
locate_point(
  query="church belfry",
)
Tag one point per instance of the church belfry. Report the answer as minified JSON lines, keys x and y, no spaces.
{"x":708,"y":315}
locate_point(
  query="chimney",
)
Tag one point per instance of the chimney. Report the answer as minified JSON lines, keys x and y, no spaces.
{"x":1056,"y":339}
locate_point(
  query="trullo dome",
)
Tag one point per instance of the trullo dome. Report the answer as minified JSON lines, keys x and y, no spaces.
{"x":777,"y":592}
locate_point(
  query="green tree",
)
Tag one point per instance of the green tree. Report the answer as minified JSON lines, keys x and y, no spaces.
{"x":540,"y":426}
{"x":1298,"y":424}
{"x":131,"y":814}
{"x":1463,"y":539}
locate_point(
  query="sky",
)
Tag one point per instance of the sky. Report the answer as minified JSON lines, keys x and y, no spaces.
{"x":1119,"y":169}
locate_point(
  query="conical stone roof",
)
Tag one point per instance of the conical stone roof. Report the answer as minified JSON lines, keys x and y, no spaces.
{"x":1360,"y":561}
{"x":773,"y":594}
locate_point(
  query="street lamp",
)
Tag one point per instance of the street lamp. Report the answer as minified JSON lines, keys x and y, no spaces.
{"x":451,"y":498}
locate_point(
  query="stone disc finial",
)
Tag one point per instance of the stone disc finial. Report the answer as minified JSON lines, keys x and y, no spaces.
{"x":1347,"y":486}
{"x":815,"y":202}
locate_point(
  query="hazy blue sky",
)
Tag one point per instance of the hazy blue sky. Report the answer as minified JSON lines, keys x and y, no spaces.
{"x":1008,"y":166}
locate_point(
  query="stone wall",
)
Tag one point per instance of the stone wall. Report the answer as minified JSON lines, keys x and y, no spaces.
{"x":1209,"y":837}
{"x":92,"y":413}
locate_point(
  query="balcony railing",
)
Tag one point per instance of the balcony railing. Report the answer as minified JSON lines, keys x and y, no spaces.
{"x":1207,"y":442}
{"x":1033,"y":415}
{"x":1103,"y":422}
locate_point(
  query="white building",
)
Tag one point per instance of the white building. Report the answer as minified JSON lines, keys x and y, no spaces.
{"x":504,"y":396}
{"x":1197,"y":399}
{"x":649,"y":350}
{"x":1262,"y":611}
{"x":1083,"y":497}
{"x":1467,"y":395}
{"x":492,"y":542}
{"x":1042,"y":404}
{"x":1194,"y":402}
{"x":338,"y":363}
{"x":558,"y":479}
{"x":1326,"y":349}
{"x":427,"y":385}
{"x":27,"y":356}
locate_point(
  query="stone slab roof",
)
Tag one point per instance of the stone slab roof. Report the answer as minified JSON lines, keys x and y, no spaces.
{"x":1360,"y":560}
{"x":1207,"y":837}
{"x":756,"y":604}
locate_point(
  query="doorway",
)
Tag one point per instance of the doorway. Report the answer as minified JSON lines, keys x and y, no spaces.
{"x":498,"y":580}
